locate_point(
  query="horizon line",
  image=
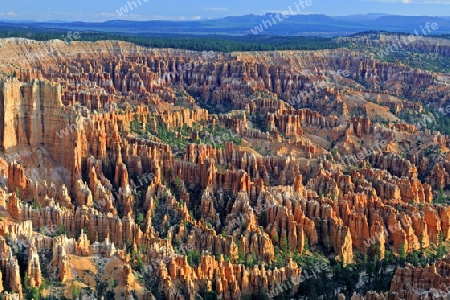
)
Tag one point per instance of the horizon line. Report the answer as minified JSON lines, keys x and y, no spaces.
{"x":214,"y":19}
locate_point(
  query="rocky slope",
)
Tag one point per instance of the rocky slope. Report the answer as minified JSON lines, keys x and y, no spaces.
{"x":171,"y":174}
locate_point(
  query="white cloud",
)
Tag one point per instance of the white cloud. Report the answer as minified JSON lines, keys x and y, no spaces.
{"x":107,"y":15}
{"x":216,"y":9}
{"x":196,"y":18}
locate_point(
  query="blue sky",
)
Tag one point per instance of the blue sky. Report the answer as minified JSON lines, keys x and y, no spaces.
{"x":89,"y":10}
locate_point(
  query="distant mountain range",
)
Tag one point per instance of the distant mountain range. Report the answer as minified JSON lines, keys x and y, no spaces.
{"x":269,"y":24}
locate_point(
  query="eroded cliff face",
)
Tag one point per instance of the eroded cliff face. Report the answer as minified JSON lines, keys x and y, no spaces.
{"x":31,"y":111}
{"x":422,"y":282}
{"x":115,"y":151}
